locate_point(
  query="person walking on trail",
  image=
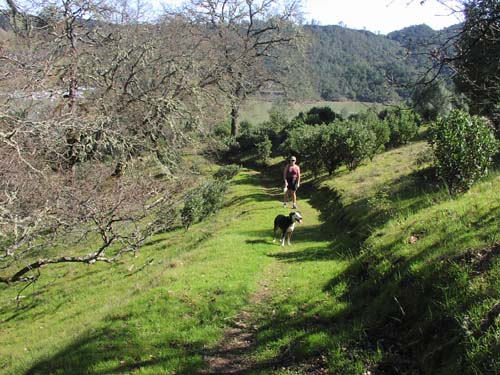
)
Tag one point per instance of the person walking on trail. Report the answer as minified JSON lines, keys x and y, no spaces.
{"x":291,"y":175}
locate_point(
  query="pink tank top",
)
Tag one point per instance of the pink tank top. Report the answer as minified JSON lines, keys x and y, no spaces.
{"x":292,"y":171}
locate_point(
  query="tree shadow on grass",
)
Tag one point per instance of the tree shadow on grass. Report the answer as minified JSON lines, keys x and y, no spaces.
{"x":311,"y":254}
{"x":309,"y":234}
{"x":258,"y":179}
{"x":115,"y":350}
{"x":412,"y":305}
{"x":256,"y":197}
{"x":394,"y":320}
{"x":255,"y":242}
{"x":386,"y":300}
{"x":293,"y":339}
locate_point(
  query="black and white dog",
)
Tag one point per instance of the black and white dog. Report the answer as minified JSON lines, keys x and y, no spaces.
{"x":287,"y":225}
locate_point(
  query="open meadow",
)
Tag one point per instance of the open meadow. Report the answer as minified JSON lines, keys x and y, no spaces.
{"x":257,"y":111}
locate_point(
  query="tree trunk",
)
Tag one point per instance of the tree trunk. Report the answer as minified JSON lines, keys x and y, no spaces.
{"x":119,"y":169}
{"x":235,"y":112}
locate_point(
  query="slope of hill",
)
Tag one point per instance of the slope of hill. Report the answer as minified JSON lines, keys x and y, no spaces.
{"x":360,"y":65}
{"x":423,"y":280}
{"x":353,"y":64}
{"x":393,"y":277}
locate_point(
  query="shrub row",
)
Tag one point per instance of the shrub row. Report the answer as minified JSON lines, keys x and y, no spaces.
{"x":347,"y":142}
{"x":324,"y":140}
{"x":463,"y":146}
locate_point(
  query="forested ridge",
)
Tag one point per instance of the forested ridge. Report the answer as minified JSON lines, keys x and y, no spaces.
{"x":348,"y":64}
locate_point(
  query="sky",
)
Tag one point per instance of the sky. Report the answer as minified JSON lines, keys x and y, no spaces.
{"x":378,"y":16}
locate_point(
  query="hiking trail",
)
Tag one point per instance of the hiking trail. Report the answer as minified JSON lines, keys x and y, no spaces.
{"x":233,"y":354}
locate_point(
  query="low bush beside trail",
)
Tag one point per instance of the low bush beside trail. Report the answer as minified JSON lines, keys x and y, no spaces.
{"x":202,"y":201}
{"x":464,"y":147}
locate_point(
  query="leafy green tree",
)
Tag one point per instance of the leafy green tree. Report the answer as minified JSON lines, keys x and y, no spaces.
{"x":372,"y":121}
{"x":264,"y":150}
{"x":463,"y":146}
{"x":277,"y":120}
{"x":432,"y":100}
{"x":403,"y":124}
{"x":335,"y":148}
{"x":321,"y":115}
{"x":251,"y":135}
{"x":327,"y":147}
{"x":477,"y":57}
{"x":360,"y":144}
{"x":307,"y":143}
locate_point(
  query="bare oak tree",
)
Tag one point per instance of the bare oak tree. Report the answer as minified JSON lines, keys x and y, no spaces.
{"x":89,"y":93}
{"x":84,"y":92}
{"x":247,"y":38}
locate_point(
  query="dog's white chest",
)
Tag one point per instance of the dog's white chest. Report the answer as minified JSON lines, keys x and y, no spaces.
{"x":291,"y":227}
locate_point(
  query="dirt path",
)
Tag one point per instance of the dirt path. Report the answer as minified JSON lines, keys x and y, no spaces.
{"x":232,"y":355}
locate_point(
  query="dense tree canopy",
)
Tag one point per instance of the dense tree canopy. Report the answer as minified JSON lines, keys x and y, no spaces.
{"x":477,"y":57}
{"x":360,"y":65}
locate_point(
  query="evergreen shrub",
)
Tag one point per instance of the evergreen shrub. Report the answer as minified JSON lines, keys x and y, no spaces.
{"x":202,"y":201}
{"x":227,"y":172}
{"x":463,"y":147}
{"x":403,"y":124}
{"x":264,"y":149}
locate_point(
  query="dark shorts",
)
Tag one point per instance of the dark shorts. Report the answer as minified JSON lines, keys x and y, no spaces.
{"x":292,"y":183}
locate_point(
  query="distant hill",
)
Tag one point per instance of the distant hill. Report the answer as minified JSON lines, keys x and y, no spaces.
{"x":412,"y":34}
{"x":418,"y":36}
{"x":360,"y":65}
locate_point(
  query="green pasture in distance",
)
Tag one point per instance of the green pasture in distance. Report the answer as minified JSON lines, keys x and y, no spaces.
{"x":256,"y":111}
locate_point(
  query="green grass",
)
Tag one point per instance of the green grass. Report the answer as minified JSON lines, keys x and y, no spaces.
{"x":159,"y":312}
{"x":256,"y":111}
{"x":388,"y":272}
{"x":149,"y":315}
{"x":400,"y":279}
{"x":425,"y":272}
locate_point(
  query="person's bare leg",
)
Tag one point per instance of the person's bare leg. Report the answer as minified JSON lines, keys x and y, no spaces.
{"x":294,"y":196}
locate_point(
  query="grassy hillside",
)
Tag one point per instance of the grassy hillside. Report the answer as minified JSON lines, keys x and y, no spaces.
{"x":388,"y":274}
{"x":149,"y":315}
{"x":423,"y":283}
{"x":158,"y":313}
